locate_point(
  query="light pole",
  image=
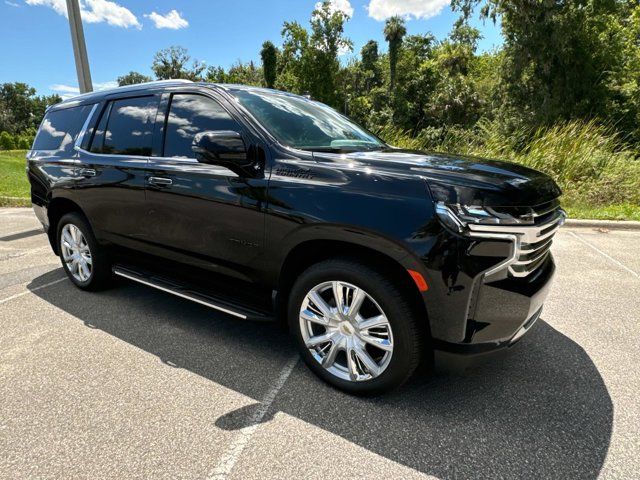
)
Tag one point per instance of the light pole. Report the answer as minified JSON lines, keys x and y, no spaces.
{"x":79,"y":47}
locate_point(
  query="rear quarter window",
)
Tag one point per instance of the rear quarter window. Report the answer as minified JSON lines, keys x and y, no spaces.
{"x":60,"y":128}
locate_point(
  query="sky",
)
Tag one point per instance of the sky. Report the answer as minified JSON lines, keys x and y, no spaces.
{"x":123,"y":35}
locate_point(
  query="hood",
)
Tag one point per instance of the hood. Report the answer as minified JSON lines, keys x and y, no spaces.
{"x":458,"y":178}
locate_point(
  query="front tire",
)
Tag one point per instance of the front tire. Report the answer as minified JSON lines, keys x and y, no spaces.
{"x":355,"y":328}
{"x":86,"y":263}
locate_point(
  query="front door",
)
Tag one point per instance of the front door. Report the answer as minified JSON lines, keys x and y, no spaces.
{"x":199,"y":213}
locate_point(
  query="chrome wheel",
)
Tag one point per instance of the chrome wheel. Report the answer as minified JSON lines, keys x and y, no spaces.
{"x":346,"y":331}
{"x":76,"y":253}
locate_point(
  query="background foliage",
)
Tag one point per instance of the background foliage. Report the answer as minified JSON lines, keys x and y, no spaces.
{"x":561,"y":95}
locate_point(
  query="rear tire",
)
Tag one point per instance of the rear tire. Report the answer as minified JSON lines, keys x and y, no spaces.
{"x":374,"y":345}
{"x":85,"y":262}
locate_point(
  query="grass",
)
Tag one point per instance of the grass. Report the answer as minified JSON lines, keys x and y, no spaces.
{"x":626,"y":211}
{"x":14,"y":186}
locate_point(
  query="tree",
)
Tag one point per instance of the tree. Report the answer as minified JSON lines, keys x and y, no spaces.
{"x":327,"y":41}
{"x":560,"y":58}
{"x":309,"y":59}
{"x":245,"y":74}
{"x":216,"y":75}
{"x":20,"y":108}
{"x":370,"y":57}
{"x":416,"y":81}
{"x":133,"y":78}
{"x":295,"y":61}
{"x":172,"y":63}
{"x":394,"y":31}
{"x":269,"y":56}
{"x":455,"y":99}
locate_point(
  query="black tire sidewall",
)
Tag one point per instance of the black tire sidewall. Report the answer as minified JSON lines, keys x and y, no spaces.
{"x":407,"y":339}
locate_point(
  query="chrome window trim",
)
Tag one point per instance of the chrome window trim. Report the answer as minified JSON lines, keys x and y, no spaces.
{"x":176,"y":159}
{"x":83,"y":130}
{"x":111,"y":155}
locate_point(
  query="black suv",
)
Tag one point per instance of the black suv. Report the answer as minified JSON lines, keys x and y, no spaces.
{"x":264,"y":205}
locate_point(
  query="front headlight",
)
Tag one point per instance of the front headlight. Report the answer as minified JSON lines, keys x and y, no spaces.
{"x":458,"y":217}
{"x":459,"y":206}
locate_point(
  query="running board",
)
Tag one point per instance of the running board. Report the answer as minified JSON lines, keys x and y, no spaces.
{"x":183,"y":291}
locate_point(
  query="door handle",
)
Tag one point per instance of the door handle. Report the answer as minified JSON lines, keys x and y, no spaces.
{"x":87,"y":172}
{"x":160,"y":181}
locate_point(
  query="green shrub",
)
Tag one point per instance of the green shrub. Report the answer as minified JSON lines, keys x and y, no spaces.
{"x":24,"y":142}
{"x":6,"y":141}
{"x":12,"y":142}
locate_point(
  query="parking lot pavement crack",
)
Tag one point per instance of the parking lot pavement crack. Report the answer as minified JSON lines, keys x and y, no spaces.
{"x":229,"y":458}
{"x":606,"y":255}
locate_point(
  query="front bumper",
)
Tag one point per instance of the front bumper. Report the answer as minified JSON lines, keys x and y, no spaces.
{"x":502,"y":313}
{"x":476,"y":304}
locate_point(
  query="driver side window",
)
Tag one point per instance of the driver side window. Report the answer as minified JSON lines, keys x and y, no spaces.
{"x":190,"y":114}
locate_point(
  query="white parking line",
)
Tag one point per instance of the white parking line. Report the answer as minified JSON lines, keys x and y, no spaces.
{"x":620,"y":264}
{"x":231,"y":456}
{"x":35,"y":289}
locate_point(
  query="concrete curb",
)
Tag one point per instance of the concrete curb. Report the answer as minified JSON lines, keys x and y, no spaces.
{"x":608,"y":224}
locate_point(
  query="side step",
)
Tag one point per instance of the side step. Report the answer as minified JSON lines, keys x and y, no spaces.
{"x":184,"y":291}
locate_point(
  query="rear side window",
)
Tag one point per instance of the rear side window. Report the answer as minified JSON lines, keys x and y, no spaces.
{"x":60,"y":128}
{"x":189,"y":115}
{"x":126,"y":127}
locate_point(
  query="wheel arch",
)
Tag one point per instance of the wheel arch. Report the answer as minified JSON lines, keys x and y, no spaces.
{"x":57,"y":208}
{"x":310,"y":252}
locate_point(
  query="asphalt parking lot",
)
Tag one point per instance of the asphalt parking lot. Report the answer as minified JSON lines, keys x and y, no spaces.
{"x":135,"y":383}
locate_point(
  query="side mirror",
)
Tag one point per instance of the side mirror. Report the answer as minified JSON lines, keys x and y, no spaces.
{"x":225,"y":148}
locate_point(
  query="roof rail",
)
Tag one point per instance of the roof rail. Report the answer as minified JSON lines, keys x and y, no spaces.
{"x":156,"y":82}
{"x":132,"y":87}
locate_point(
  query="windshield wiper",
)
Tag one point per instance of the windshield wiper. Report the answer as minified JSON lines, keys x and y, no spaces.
{"x":344,"y":149}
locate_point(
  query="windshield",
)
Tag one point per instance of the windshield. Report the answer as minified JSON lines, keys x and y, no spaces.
{"x":305,"y":124}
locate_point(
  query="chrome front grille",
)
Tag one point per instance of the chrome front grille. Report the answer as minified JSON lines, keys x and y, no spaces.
{"x":531,"y":243}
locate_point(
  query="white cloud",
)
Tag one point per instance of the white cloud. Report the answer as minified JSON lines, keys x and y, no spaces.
{"x":383,"y":9}
{"x":70,"y":91}
{"x":343,"y":6}
{"x":105,"y":85}
{"x":59,"y":6}
{"x":11,"y":4}
{"x":172,"y":20}
{"x":105,"y":11}
{"x":95,"y":11}
{"x":65,"y":91}
{"x":64,"y":88}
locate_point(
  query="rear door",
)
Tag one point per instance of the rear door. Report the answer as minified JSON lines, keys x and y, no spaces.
{"x":111,"y":170}
{"x":199,"y":213}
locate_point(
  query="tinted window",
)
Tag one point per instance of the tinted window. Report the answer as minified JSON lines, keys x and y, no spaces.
{"x":60,"y":128}
{"x":128,"y":129}
{"x":189,"y":115}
